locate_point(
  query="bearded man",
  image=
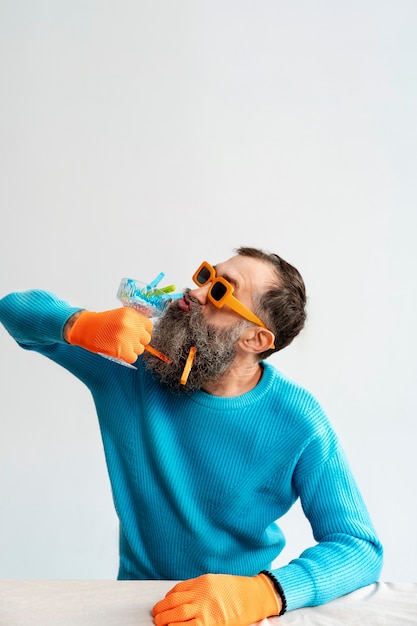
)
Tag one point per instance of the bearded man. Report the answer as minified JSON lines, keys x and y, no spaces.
{"x":201,"y":472}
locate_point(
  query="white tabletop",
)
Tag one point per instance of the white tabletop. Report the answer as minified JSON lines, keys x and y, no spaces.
{"x":129,"y":603}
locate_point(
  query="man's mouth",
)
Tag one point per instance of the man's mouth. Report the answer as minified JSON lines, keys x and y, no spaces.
{"x":184,"y":303}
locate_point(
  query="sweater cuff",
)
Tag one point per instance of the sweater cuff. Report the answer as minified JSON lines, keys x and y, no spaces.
{"x":298,"y":584}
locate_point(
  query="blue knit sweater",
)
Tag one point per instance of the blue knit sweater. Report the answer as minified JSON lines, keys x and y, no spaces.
{"x":199,"y":481}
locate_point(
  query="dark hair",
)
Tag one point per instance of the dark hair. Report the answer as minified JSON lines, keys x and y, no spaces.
{"x":282,"y":306}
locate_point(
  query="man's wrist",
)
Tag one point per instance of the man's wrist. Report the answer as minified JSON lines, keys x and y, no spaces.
{"x":278,"y":590}
{"x":70,"y":323}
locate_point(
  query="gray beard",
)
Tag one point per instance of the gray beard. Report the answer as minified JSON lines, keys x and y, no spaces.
{"x":176,"y":332}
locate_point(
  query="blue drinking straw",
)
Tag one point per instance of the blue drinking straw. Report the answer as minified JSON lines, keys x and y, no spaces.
{"x":155,"y":281}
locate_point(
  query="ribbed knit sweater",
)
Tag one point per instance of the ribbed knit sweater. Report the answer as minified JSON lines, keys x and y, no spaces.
{"x":199,"y":481}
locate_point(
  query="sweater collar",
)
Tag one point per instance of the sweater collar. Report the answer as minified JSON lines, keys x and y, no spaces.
{"x":236,"y":402}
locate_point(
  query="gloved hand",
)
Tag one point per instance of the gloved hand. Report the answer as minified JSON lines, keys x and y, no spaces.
{"x":121,"y":333}
{"x":218,"y":599}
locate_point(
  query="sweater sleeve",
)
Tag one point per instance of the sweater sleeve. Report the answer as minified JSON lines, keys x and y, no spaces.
{"x":348,"y":554}
{"x":35,"y":317}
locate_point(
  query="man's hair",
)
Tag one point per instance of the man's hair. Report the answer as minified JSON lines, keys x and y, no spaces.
{"x":282,"y":306}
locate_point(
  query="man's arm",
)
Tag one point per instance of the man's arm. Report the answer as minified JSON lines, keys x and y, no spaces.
{"x":348,"y":554}
{"x":38,"y":318}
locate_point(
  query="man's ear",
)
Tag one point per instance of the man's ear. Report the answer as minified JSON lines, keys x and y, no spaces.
{"x":256,"y":339}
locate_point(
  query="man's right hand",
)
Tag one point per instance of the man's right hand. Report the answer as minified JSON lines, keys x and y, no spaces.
{"x":121,"y":333}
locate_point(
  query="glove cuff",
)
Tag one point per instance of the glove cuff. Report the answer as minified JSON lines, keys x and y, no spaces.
{"x":278,"y":589}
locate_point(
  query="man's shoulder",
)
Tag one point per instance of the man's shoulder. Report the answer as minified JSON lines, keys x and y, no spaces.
{"x":294,"y":400}
{"x":284,"y":386}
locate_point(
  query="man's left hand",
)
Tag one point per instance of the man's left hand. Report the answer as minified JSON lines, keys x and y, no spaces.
{"x":218,"y":599}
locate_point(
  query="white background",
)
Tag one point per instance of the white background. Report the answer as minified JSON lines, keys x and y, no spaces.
{"x":140,"y":136}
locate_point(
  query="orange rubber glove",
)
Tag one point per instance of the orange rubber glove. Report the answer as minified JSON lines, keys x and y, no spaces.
{"x":218,"y":599}
{"x":121,"y":333}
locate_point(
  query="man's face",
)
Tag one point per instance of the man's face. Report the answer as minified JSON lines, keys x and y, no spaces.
{"x":195,"y":321}
{"x":248,"y":276}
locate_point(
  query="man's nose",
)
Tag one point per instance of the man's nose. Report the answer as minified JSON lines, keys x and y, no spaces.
{"x":201,"y":293}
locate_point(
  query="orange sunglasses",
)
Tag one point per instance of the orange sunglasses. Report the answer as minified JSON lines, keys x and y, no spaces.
{"x":221,"y":293}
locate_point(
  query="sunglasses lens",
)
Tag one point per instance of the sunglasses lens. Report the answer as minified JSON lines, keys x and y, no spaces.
{"x":203,"y":276}
{"x":218,"y":291}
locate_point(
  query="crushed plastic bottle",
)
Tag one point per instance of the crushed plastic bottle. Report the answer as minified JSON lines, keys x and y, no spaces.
{"x":147,"y":298}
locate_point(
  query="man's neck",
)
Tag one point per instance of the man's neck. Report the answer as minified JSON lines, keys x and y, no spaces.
{"x":239,"y":379}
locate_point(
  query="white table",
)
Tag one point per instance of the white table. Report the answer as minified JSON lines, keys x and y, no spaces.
{"x":129,"y":603}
